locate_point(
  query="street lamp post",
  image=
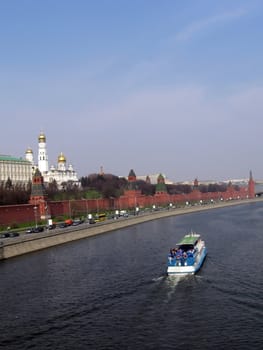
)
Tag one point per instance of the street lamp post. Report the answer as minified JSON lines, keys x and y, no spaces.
{"x":87,"y":210}
{"x":97,"y":203}
{"x":35,"y":214}
{"x":69,"y":208}
{"x":135,"y":205}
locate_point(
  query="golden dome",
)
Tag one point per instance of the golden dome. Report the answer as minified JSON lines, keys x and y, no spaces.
{"x":29,"y":151}
{"x":42,"y":137}
{"x":61,"y":158}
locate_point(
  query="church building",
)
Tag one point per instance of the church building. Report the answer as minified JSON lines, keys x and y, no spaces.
{"x":61,"y":173}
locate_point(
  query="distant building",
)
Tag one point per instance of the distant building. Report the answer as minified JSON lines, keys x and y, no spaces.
{"x":153,"y":179}
{"x":61,"y":173}
{"x":21,"y":170}
{"x":18,"y":170}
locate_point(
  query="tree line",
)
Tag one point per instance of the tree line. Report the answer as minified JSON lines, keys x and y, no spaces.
{"x":93,"y":186}
{"x":14,"y":193}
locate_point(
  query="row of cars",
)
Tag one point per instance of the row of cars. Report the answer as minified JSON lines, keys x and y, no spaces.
{"x":9,"y":234}
{"x":52,"y":226}
{"x":70,"y":222}
{"x":35,"y":229}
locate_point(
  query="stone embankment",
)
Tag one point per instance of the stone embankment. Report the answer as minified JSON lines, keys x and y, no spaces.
{"x":26,"y":243}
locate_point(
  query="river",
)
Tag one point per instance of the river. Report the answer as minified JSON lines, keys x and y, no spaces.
{"x":111,"y":291}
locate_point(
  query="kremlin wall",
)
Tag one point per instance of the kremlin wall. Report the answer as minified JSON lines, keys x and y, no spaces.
{"x":40,"y":208}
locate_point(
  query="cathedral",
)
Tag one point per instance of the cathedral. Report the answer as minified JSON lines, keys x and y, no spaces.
{"x":60,"y":173}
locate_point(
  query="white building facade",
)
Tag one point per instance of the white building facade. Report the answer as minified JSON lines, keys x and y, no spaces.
{"x":18,"y":170}
{"x":61,"y":173}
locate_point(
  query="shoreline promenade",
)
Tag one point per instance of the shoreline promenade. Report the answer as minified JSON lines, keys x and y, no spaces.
{"x":11,"y":247}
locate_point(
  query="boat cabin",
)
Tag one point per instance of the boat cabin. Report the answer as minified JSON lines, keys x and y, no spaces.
{"x":188,"y":242}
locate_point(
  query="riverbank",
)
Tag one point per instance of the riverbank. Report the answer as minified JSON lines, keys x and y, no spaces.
{"x":11,"y":247}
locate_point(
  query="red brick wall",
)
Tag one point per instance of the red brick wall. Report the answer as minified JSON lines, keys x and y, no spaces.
{"x":80,"y":207}
{"x":10,"y":215}
{"x":15,"y":214}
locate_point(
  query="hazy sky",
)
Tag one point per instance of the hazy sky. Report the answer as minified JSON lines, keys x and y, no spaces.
{"x":158,"y":86}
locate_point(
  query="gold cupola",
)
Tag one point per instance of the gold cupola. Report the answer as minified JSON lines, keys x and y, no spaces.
{"x":41,"y":137}
{"x":29,"y":151}
{"x":61,"y":158}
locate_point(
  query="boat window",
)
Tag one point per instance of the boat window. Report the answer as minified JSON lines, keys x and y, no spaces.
{"x":186,"y":247}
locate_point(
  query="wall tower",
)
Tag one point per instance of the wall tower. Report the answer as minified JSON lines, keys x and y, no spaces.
{"x":251,"y":186}
{"x":38,"y":195}
{"x":161,"y":186}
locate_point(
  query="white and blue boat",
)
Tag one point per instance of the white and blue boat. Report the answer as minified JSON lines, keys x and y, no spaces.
{"x":188,"y":255}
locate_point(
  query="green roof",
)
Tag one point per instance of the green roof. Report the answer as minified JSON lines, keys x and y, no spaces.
{"x":4,"y":157}
{"x":161,"y":187}
{"x":189,"y":239}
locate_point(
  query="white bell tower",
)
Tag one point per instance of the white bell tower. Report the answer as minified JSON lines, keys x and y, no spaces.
{"x":42,"y":154}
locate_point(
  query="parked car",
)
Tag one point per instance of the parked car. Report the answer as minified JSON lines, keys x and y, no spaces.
{"x":35,"y":229}
{"x":69,"y":222}
{"x":66,"y":223}
{"x":30,"y":230}
{"x":14,"y":234}
{"x":51,"y":227}
{"x":5,"y":235}
{"x":77,"y":222}
{"x":92,"y":221}
{"x":63,"y":225}
{"x":39,"y":229}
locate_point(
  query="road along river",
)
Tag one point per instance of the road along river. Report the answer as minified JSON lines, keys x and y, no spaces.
{"x":25,"y":243}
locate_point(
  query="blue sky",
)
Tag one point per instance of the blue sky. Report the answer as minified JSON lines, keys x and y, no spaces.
{"x":158,"y":86}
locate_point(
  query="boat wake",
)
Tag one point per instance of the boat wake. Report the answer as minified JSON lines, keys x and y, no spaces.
{"x":171,"y":283}
{"x":159,"y":279}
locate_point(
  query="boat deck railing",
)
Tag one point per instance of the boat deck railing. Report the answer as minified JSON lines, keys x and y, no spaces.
{"x":180,"y":258}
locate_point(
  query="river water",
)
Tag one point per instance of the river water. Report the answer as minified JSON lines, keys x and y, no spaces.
{"x":111,"y":291}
